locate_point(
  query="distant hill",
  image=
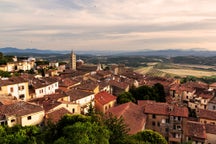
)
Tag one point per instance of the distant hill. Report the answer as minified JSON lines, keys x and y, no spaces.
{"x":172,"y":53}
{"x":166,"y":53}
{"x":8,"y":50}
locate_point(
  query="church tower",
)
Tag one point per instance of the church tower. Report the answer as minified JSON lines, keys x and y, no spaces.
{"x":72,"y":61}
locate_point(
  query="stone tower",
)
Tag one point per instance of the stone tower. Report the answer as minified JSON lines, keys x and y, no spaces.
{"x":72,"y":61}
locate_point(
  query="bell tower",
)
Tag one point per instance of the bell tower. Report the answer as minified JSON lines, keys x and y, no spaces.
{"x":72,"y":61}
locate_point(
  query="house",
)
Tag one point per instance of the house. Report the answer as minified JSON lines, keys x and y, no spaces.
{"x":67,"y":83}
{"x":167,"y":119}
{"x":88,"y":86}
{"x":212,"y":86}
{"x":132,"y":114}
{"x":83,"y":98}
{"x":212,"y":104}
{"x":43,"y":86}
{"x":56,"y":115}
{"x":210,"y":133}
{"x":118,"y":87}
{"x":206,"y":116}
{"x":56,"y":101}
{"x":22,"y":113}
{"x":196,"y":133}
{"x":104,"y":101}
{"x":16,"y":87}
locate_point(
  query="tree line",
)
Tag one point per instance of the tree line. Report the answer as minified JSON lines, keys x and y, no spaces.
{"x":155,"y":93}
{"x":79,"y":129}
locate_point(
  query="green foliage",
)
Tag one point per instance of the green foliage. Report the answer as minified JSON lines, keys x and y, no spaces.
{"x":159,"y":89}
{"x":19,"y":135}
{"x":86,"y":133}
{"x":117,"y":128}
{"x":188,"y":78}
{"x":42,"y":63}
{"x":150,"y":136}
{"x":5,"y":74}
{"x":156,"y":93}
{"x":125,"y":97}
{"x":78,"y":129}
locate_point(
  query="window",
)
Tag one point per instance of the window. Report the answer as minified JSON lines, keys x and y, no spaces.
{"x":214,"y":107}
{"x":73,"y":110}
{"x":0,"y":88}
{"x":167,"y":121}
{"x":29,"y":118}
{"x":166,"y":129}
{"x":13,"y":120}
{"x":153,"y":123}
{"x":158,"y":124}
{"x":153,"y":116}
{"x":22,"y":96}
{"x":11,"y":89}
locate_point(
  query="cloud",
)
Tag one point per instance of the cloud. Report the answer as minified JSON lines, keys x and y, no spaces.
{"x":100,"y":24}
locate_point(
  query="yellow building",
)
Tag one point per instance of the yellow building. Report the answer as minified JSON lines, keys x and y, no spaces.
{"x":22,"y":113}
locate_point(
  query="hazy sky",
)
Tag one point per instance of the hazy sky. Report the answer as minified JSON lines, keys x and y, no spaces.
{"x":108,"y":24}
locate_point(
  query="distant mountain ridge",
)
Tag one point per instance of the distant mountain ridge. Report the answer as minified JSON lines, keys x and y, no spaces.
{"x":166,"y":52}
{"x":8,"y":50}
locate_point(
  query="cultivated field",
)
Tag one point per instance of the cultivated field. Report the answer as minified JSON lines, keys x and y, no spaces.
{"x":188,"y":72}
{"x":171,"y":70}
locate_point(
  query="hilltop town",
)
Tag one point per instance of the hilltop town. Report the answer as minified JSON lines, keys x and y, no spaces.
{"x":48,"y":91}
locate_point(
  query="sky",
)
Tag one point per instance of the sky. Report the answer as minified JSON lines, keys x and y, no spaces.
{"x":112,"y":25}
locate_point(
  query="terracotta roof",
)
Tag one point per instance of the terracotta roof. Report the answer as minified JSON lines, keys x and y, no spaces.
{"x":76,"y":94}
{"x":20,"y":108}
{"x":104,"y":97}
{"x":213,"y":100}
{"x":206,"y":95}
{"x":42,"y":82}
{"x":6,"y":100}
{"x":121,"y":85}
{"x":196,"y":130}
{"x":56,"y":115}
{"x":212,"y":85}
{"x":67,"y":82}
{"x":132,"y":114}
{"x":89,"y":85}
{"x":206,"y":114}
{"x":11,"y":81}
{"x":210,"y":128}
{"x":151,"y":107}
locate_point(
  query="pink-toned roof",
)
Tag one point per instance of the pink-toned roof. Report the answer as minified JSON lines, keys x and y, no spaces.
{"x":212,"y":85}
{"x":151,"y":107}
{"x":121,"y":85}
{"x":206,"y":95}
{"x":20,"y":108}
{"x":56,"y":115}
{"x":12,"y":80}
{"x":132,"y":114}
{"x":210,"y":128}
{"x":104,"y":97}
{"x":206,"y":114}
{"x":196,"y":130}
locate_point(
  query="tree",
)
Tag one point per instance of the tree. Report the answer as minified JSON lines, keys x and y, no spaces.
{"x":159,"y":89}
{"x":5,"y":74}
{"x":125,"y":97}
{"x":118,"y":129}
{"x":150,"y":136}
{"x":85,"y":133}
